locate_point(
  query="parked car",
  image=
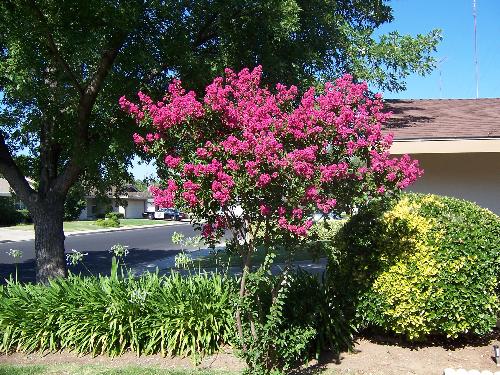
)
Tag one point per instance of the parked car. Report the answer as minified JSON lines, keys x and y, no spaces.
{"x":165,"y":214}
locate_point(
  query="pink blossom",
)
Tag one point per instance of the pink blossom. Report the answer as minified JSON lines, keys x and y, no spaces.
{"x":326,"y":206}
{"x":207,"y":230}
{"x":297,"y":213}
{"x":172,"y":161}
{"x":311,"y":193}
{"x":264,"y":210}
{"x":220,"y":222}
{"x":391,"y":176}
{"x":202,"y":152}
{"x":257,"y":135}
{"x":251,"y":167}
{"x":232,"y":165}
{"x":190,"y":198}
{"x":264,"y":179}
{"x":138,"y":139}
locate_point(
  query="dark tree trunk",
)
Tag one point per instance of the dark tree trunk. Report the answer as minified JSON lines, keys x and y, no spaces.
{"x":49,"y":239}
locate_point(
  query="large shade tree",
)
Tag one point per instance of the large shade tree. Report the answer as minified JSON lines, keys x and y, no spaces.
{"x":64,"y":64}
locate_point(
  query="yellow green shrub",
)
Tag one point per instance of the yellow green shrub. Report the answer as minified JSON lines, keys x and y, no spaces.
{"x":421,"y":265}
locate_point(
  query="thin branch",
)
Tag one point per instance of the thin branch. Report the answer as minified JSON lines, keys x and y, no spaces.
{"x":53,"y":47}
{"x":107,"y":61}
{"x":204,"y":34}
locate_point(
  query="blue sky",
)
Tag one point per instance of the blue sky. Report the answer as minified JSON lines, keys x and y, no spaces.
{"x":454,"y":18}
{"x":455,"y":76}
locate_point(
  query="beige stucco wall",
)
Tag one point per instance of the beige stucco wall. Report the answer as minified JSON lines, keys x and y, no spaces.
{"x":471,"y":176}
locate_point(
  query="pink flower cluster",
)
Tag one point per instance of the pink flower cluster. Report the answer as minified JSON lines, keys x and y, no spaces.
{"x":243,"y":145}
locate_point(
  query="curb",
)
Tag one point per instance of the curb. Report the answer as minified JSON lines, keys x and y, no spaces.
{"x":123,"y":229}
{"x":106,"y":230}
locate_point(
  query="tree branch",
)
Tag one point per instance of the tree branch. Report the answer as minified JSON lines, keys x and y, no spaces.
{"x":13,"y":174}
{"x":68,"y":176}
{"x":56,"y":54}
{"x":73,"y":168}
{"x":204,"y":33}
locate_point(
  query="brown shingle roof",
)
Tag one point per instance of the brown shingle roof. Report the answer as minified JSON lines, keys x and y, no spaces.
{"x":444,"y":118}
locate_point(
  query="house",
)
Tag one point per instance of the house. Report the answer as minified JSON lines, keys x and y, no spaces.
{"x":4,"y":188}
{"x":6,"y":191}
{"x":457,"y":142}
{"x":131,"y":203}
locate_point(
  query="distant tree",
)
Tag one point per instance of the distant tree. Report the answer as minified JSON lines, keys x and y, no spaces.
{"x":74,"y":203}
{"x":64,"y":64}
{"x":143,"y":184}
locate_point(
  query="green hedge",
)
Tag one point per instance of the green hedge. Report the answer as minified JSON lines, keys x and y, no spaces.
{"x":419,"y":266}
{"x":8,"y":213}
{"x":168,"y":315}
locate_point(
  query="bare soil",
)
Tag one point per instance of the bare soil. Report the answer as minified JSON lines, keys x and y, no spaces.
{"x":370,"y":357}
{"x":374,"y":358}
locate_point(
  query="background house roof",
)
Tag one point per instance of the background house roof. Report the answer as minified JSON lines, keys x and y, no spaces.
{"x":443,"y":118}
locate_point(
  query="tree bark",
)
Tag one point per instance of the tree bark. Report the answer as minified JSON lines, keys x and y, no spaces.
{"x":49,"y":239}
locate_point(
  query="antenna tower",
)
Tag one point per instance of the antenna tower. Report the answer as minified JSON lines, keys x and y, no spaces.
{"x":476,"y":64}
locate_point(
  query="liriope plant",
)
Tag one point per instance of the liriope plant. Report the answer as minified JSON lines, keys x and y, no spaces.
{"x":172,"y":315}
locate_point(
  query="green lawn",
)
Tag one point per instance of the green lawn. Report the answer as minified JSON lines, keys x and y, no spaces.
{"x":234,"y":260}
{"x":93,"y":369}
{"x":73,"y":369}
{"x":73,"y":226}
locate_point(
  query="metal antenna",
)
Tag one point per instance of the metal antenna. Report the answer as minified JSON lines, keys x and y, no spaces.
{"x":442,"y":60}
{"x":476,"y":64}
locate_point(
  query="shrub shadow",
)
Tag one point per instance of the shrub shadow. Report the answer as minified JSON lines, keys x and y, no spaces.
{"x":432,"y":341}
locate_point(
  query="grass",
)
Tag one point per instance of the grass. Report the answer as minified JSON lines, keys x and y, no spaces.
{"x":234,"y":260}
{"x":82,"y":225}
{"x":70,"y":369}
{"x":225,"y":259}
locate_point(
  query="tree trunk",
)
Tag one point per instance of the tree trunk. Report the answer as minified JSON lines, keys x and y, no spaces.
{"x":49,"y":239}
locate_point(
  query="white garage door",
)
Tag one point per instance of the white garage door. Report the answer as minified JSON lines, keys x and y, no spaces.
{"x":134,"y":209}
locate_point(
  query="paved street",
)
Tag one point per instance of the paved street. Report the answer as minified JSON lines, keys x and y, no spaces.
{"x":145,"y":245}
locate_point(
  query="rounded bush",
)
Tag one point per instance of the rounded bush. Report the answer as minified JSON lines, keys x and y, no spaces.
{"x":115,"y":215}
{"x":419,"y":266}
{"x":112,"y":222}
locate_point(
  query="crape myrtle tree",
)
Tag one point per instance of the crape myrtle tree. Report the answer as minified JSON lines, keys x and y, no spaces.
{"x":259,"y":162}
{"x":64,"y":64}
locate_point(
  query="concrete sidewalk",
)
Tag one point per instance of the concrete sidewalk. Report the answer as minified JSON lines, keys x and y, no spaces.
{"x":15,"y":235}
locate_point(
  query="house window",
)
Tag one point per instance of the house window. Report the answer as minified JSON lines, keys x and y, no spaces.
{"x":19,"y":205}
